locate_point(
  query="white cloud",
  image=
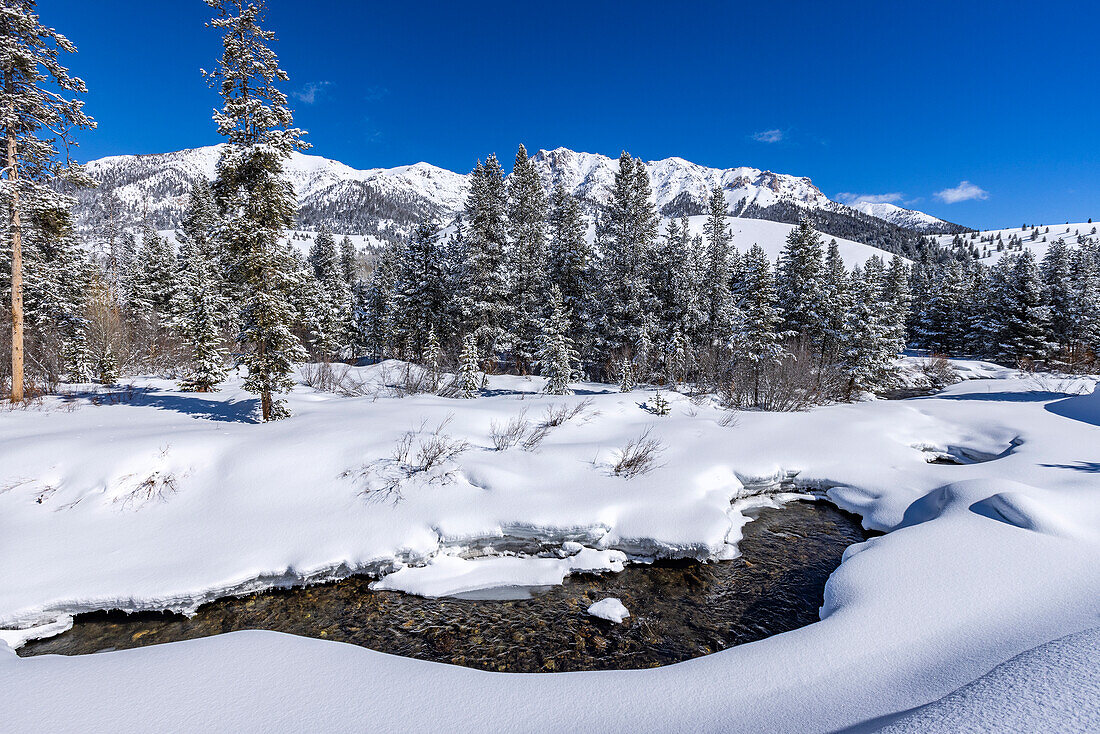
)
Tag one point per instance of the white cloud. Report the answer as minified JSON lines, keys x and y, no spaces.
{"x":850,"y":199}
{"x":965,"y":191}
{"x":308,"y":93}
{"x":768,"y":136}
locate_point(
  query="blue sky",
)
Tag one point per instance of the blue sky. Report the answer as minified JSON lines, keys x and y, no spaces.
{"x":997,"y":102}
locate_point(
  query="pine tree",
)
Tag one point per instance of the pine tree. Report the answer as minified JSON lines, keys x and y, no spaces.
{"x":528,"y":256}
{"x":1026,"y":325}
{"x":433,"y":357}
{"x":557,"y":358}
{"x":419,"y":291}
{"x":898,"y":299}
{"x":870,"y":352}
{"x":569,"y":262}
{"x":34,"y":96}
{"x":348,"y":262}
{"x":716,"y":285}
{"x":630,"y":231}
{"x":799,"y":283}
{"x":469,"y":380}
{"x":626,"y":375}
{"x":255,"y":199}
{"x":483,"y":290}
{"x":758,"y":341}
{"x":200,"y":307}
{"x":836,"y":302}
{"x":1059,"y":291}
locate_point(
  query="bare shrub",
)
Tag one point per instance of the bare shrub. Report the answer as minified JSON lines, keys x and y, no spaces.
{"x":339,"y":379}
{"x":416,"y":454}
{"x":157,"y":487}
{"x":730,"y":420}
{"x":535,"y":437}
{"x":1057,"y":383}
{"x":509,"y":435}
{"x":797,"y":380}
{"x":638,"y":456}
{"x":937,"y":372}
{"x":559,"y":413}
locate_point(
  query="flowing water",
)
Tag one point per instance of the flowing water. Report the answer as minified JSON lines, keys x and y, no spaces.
{"x":679,"y":609}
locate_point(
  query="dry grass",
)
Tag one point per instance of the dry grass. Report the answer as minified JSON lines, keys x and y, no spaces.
{"x":638,"y":456}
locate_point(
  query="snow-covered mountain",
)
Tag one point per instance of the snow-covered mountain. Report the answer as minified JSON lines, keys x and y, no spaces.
{"x":907,"y":218}
{"x":385,"y":202}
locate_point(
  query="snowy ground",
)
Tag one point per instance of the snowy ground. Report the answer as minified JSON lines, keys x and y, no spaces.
{"x":158,"y":499}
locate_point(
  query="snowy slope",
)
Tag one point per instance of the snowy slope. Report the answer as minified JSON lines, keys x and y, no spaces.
{"x":908,"y":218}
{"x":987,"y":241}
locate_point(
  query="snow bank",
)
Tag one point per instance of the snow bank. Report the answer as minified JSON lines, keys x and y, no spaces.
{"x":447,"y":575}
{"x":611,"y":609}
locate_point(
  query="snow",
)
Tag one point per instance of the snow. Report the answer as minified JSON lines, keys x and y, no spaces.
{"x":1069,"y":232}
{"x":155,"y":499}
{"x":900,"y":216}
{"x":449,"y":575}
{"x":611,"y":609}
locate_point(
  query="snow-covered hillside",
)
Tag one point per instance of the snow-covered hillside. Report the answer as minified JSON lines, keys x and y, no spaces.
{"x":386,"y":202}
{"x":907,"y":218}
{"x":993,"y":244}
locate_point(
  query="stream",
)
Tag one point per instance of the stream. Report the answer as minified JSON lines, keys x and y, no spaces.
{"x":679,"y":609}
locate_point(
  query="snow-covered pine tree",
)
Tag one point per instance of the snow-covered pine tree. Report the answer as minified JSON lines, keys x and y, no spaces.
{"x":483,"y":292}
{"x":717,"y":301}
{"x":799,"y":283}
{"x":1025,"y":319}
{"x":419,"y":292}
{"x":37,"y":94}
{"x":332,"y":296}
{"x":349,"y":265}
{"x":375,"y":313}
{"x":433,"y":357}
{"x":835,"y":304}
{"x":758,"y":341}
{"x":557,"y":357}
{"x":157,"y":263}
{"x":469,"y":378}
{"x":570,"y":261}
{"x":869,"y":354}
{"x":628,"y":240}
{"x":254,"y":197}
{"x":1059,"y":291}
{"x":626,"y":375}
{"x":1086,"y":310}
{"x":200,"y":306}
{"x":897,"y":298}
{"x":527,"y":259}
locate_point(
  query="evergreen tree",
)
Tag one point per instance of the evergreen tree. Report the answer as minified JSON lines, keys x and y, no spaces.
{"x":348,"y":262}
{"x":200,"y":306}
{"x":469,"y":380}
{"x":1024,"y":319}
{"x":255,"y":199}
{"x":758,"y":341}
{"x":569,"y":262}
{"x":528,"y":258}
{"x":483,"y":291}
{"x":898,"y":300}
{"x":836,"y":302}
{"x":870,"y":352}
{"x":557,"y":358}
{"x":1059,"y":291}
{"x":419,"y":290}
{"x":799,"y":283}
{"x":34,"y":97}
{"x":716,"y":285}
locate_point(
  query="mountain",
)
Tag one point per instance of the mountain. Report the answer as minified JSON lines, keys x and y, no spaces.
{"x":385,"y":203}
{"x":907,"y":218}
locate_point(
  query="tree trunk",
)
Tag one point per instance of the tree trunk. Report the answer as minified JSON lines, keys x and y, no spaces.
{"x":16,"y":257}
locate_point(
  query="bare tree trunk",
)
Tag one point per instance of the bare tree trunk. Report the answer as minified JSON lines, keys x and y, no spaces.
{"x":16,"y":258}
